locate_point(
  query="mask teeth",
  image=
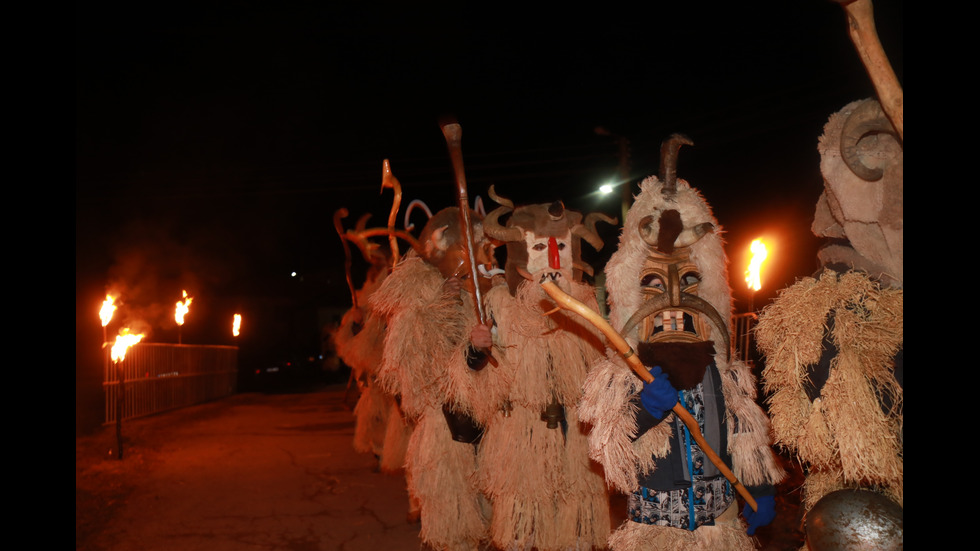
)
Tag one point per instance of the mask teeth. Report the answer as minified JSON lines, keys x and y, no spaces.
{"x":672,"y":320}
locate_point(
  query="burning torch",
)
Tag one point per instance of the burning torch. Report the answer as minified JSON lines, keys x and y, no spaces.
{"x":236,"y":325}
{"x":108,"y":308}
{"x":182,"y":309}
{"x":123,"y":342}
{"x":752,"y":274}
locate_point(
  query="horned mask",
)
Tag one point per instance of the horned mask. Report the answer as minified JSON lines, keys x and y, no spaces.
{"x":444,"y":248}
{"x":668,"y":281}
{"x":543,"y":240}
{"x":861,"y":208}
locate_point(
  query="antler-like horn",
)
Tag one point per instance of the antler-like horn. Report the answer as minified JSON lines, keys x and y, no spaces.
{"x":339,"y":215}
{"x":500,"y":200}
{"x":867,"y":118}
{"x":362,"y":222}
{"x":408,"y":212}
{"x":668,"y":161}
{"x":586,"y":230}
{"x":388,"y":180}
{"x":493,"y":228}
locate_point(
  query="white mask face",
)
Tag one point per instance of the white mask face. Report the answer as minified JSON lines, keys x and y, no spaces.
{"x":549,"y":254}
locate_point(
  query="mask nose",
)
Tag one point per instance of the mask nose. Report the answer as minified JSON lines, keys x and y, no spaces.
{"x":554,"y":260}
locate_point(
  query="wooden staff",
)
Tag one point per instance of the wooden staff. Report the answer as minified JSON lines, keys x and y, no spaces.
{"x":864,"y":35}
{"x":626,"y":351}
{"x":388,"y":180}
{"x":453,"y":134}
{"x":337,"y":216}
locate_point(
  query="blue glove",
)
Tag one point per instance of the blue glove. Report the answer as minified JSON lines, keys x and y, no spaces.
{"x":659,"y":396}
{"x":763,"y":517}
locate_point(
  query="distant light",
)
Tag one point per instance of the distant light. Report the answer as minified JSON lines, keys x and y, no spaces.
{"x":606,"y":189}
{"x":293,"y":274}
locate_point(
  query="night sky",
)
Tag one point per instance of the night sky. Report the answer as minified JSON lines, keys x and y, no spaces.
{"x":214,"y":141}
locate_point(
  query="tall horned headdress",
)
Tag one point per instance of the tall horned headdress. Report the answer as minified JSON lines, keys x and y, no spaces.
{"x":543,"y":239}
{"x":668,"y":281}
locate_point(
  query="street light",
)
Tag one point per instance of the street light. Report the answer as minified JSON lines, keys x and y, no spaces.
{"x":624,"y":167}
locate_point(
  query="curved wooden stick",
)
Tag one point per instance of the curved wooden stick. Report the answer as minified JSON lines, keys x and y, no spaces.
{"x":388,"y":180}
{"x":627,"y":353}
{"x":340,"y":214}
{"x":453,"y":134}
{"x":864,"y":35}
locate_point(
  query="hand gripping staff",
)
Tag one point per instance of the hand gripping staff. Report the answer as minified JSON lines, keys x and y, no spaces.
{"x":453,"y":133}
{"x":627,"y":353}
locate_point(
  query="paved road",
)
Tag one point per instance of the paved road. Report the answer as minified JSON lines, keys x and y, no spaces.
{"x":249,"y":472}
{"x":262,"y":472}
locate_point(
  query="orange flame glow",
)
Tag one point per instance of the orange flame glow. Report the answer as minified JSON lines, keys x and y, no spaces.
{"x":759,"y":254}
{"x":236,"y":325}
{"x":108,"y":307}
{"x":182,"y":309}
{"x":123,"y":342}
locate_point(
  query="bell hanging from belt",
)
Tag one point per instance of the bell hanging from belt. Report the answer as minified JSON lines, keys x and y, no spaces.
{"x":553,"y":414}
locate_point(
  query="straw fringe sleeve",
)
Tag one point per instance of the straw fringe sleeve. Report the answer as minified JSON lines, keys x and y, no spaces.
{"x":606,"y":405}
{"x":749,"y":431}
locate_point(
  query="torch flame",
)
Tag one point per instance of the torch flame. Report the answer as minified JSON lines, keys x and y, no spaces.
{"x":182,"y":309}
{"x":759,"y":254}
{"x":123,"y":342}
{"x":108,"y":307}
{"x":236,"y":325}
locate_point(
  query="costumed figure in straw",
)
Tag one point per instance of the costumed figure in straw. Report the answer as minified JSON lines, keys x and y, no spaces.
{"x":380,"y":427}
{"x":834,"y":343}
{"x":670,"y":301}
{"x":437,"y":355}
{"x":534,"y":464}
{"x":433,"y":364}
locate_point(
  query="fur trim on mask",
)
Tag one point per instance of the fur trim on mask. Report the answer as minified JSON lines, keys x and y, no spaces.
{"x":609,"y":391}
{"x":708,"y":254}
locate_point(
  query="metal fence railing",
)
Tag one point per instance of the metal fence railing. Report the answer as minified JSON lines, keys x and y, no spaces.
{"x":158,"y":377}
{"x":744,"y":323}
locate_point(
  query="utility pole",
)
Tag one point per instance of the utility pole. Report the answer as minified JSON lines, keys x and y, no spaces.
{"x":625,"y":183}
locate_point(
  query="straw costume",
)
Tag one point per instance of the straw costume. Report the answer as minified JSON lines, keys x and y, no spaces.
{"x":534,"y":465}
{"x":669,"y":298}
{"x":440,"y":380}
{"x":379,"y":428}
{"x":833,"y":343}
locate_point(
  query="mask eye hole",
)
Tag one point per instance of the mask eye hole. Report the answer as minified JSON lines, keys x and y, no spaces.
{"x":539,"y":247}
{"x":561,"y":246}
{"x":652,"y":281}
{"x":690,"y":279}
